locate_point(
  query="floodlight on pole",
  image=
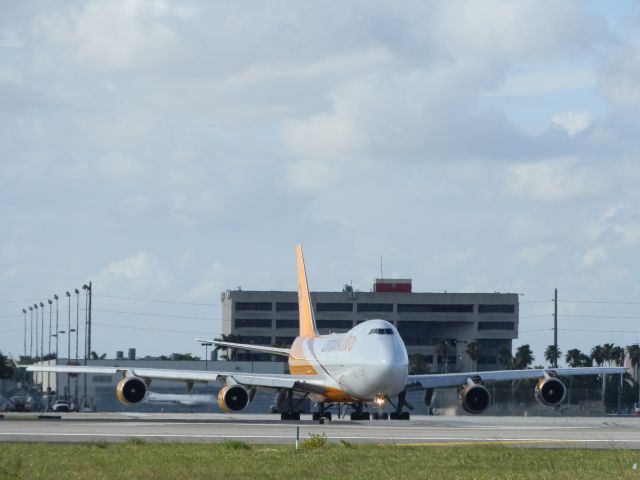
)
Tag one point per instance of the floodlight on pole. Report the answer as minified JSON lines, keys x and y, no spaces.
{"x":25,"y":332}
{"x":87,"y":290}
{"x":50,"y":302}
{"x":69,"y":345}
{"x":35,"y":307}
{"x":41,"y":330}
{"x":31,"y":333}
{"x":56,"y":298}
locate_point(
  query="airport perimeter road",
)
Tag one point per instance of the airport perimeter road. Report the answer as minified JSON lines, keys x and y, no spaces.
{"x":602,"y":432}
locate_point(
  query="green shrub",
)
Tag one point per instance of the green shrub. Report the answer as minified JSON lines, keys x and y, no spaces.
{"x":315,"y":440}
{"x":233,"y":445}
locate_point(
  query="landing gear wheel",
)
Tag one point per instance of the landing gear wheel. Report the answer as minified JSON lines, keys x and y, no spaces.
{"x":360,"y":416}
{"x":400,"y":416}
{"x":290,"y":416}
{"x":327,"y":415}
{"x":316,"y":416}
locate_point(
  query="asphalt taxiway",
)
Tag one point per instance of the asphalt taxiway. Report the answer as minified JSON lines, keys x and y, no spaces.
{"x":600,"y":432}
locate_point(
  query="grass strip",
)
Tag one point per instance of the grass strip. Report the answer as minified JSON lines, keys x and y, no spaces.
{"x":230,"y":460}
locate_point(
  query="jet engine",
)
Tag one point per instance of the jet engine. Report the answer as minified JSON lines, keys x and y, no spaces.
{"x":131,"y":390}
{"x":474,"y":398}
{"x":233,"y":398}
{"x":550,"y":392}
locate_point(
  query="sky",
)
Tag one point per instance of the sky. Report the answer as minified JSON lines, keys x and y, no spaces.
{"x":170,"y":150}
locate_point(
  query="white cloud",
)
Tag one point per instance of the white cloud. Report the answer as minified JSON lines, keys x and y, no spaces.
{"x":573,"y":122}
{"x":524,"y":229}
{"x":536,"y":254}
{"x":138,"y":271}
{"x":536,"y":82}
{"x":621,"y":77}
{"x":112,"y":36}
{"x":594,"y":256}
{"x":537,"y":29}
{"x":119,"y":166}
{"x":554,"y":180}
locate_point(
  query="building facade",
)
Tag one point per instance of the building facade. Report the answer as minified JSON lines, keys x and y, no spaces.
{"x":424,"y":320}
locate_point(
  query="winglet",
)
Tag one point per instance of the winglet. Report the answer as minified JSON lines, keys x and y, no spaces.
{"x":307,"y":319}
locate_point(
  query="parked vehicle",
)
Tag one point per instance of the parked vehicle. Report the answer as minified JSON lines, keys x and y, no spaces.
{"x":19,"y":403}
{"x":61,"y":406}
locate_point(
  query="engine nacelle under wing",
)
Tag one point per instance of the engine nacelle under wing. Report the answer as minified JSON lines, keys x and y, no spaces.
{"x":233,"y":398}
{"x":474,"y":399}
{"x":550,"y":392}
{"x":131,"y":390}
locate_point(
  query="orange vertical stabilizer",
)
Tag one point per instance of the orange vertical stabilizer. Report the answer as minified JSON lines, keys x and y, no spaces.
{"x":305,"y":309}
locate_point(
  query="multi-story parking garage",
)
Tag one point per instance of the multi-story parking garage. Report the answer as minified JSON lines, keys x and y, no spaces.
{"x":422,"y":319}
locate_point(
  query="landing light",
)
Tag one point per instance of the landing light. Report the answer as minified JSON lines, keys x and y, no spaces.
{"x":379,"y":400}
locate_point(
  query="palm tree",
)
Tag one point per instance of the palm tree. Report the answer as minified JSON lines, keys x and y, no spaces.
{"x":617,"y":355}
{"x":552,"y":354}
{"x":607,"y":352}
{"x":442,"y":349}
{"x":598,"y":355}
{"x":6,"y":366}
{"x":504,"y":357}
{"x":573,"y":357}
{"x":418,"y":364}
{"x":523,"y":357}
{"x":634,"y":355}
{"x":473,"y":350}
{"x":231,"y":353}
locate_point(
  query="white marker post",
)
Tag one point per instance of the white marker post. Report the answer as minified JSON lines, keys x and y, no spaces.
{"x":297,"y":436}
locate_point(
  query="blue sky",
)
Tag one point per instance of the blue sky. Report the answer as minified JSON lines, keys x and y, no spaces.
{"x":173,"y":150}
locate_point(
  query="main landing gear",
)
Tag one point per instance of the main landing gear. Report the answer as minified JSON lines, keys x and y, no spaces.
{"x":358,"y":413}
{"x":322,"y":414}
{"x":290,"y":411}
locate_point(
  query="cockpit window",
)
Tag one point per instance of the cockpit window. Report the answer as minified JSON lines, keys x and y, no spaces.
{"x":381,"y":331}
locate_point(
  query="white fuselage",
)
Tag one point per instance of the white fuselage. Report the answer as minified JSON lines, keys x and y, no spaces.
{"x":367,"y":362}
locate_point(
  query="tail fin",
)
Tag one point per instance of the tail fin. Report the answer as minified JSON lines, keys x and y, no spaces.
{"x":307,"y":319}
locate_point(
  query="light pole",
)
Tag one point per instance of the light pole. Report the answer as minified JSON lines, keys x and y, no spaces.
{"x":49,"y":350}
{"x":25,"y":332}
{"x":69,"y":347}
{"x":35,"y":307}
{"x":87,"y":289}
{"x":49,"y":346}
{"x":77,"y":292}
{"x":56,"y":298}
{"x":41,"y":331}
{"x":31,"y":333}
{"x":88,"y":328}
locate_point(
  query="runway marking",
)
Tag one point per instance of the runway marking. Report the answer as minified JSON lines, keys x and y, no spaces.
{"x":432,"y":440}
{"x":343,"y":426}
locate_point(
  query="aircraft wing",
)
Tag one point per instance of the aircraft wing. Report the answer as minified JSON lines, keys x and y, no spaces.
{"x":244,"y":346}
{"x":417,"y":382}
{"x":260,"y":381}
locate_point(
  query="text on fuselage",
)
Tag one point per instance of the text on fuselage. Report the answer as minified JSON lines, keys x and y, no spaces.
{"x":340,"y":345}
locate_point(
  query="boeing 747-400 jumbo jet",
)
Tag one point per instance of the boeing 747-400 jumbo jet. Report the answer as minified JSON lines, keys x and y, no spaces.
{"x":366,"y":366}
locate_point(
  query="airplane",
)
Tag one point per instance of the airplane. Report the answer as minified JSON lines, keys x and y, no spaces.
{"x":366,"y":366}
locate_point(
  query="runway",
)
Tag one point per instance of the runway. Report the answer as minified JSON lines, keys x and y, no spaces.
{"x":601,"y":432}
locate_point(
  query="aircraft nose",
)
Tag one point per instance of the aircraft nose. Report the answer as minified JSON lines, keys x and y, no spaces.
{"x":389,"y":372}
